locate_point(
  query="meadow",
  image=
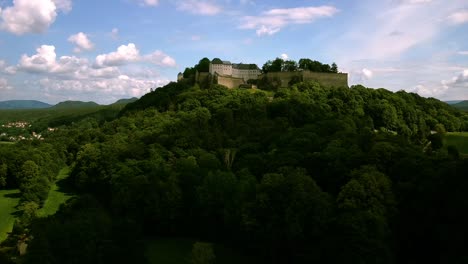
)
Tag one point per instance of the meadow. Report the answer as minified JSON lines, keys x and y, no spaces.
{"x":459,"y":140}
{"x":57,"y":196}
{"x":8,"y":202}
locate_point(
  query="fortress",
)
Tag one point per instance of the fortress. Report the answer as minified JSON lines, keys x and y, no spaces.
{"x":235,"y":75}
{"x":240,"y":70}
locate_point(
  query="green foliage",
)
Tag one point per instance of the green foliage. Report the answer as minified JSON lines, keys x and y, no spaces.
{"x":292,"y":176}
{"x":202,"y":253}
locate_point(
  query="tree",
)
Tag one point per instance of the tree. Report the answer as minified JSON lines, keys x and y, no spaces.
{"x":334,"y":68}
{"x":289,"y":66}
{"x":202,"y":253}
{"x":3,"y":175}
{"x":29,"y":172}
{"x":203,"y":65}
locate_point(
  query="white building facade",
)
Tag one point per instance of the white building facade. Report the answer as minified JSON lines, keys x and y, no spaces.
{"x":239,"y":70}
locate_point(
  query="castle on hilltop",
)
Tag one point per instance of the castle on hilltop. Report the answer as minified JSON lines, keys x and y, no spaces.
{"x":235,"y":75}
{"x":239,"y":70}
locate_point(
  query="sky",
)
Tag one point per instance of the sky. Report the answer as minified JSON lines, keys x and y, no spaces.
{"x":105,"y":50}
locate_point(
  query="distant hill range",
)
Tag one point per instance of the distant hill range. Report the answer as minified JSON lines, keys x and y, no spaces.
{"x":23,"y":104}
{"x":74,"y":104}
{"x":462,"y":105}
{"x":126,"y":101}
{"x":451,"y":102}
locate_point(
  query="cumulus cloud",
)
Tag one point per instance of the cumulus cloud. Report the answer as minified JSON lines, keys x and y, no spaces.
{"x":199,"y":7}
{"x":272,"y":21}
{"x":160,"y":58}
{"x":81,"y":41}
{"x":429,"y":90}
{"x":45,"y":61}
{"x":284,"y":56}
{"x":26,"y":16}
{"x":459,"y":81}
{"x":75,"y":78}
{"x":124,"y":54}
{"x":459,"y":17}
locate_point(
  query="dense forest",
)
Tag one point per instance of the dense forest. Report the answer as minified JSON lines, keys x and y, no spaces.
{"x":301,"y":175}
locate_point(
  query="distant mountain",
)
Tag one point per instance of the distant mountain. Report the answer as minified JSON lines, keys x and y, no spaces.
{"x":451,"y":102}
{"x":126,"y":101}
{"x":74,"y":104}
{"x":462,"y":105}
{"x":23,"y":104}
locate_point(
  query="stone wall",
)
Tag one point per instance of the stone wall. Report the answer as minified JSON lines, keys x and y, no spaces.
{"x":230,"y":82}
{"x":325,"y":79}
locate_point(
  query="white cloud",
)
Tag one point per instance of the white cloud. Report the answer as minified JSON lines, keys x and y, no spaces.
{"x":149,"y":2}
{"x":459,"y":17}
{"x":81,"y":41}
{"x":284,"y":56}
{"x":429,"y":91}
{"x":124,"y":54}
{"x":199,"y":7}
{"x":63,"y":5}
{"x":4,"y":84}
{"x":160,"y":58}
{"x":366,"y":73}
{"x":45,"y":61}
{"x":195,"y":38}
{"x":463,"y":52}
{"x":31,"y":16}
{"x":459,"y":81}
{"x":272,"y":21}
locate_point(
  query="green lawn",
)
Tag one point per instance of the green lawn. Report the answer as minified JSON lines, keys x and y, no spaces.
{"x":178,"y":250}
{"x":56,"y":195}
{"x":8,"y":201}
{"x":459,"y":140}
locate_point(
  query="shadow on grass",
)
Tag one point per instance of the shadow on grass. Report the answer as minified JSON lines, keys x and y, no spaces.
{"x":65,"y":186}
{"x":17,"y":213}
{"x":16,"y":195}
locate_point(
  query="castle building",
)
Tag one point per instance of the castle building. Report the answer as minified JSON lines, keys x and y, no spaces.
{"x":235,"y":70}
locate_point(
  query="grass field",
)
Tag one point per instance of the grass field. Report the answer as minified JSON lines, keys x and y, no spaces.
{"x":57,"y":195}
{"x":8,"y":201}
{"x":459,"y":140}
{"x":6,"y":143}
{"x":178,"y":250}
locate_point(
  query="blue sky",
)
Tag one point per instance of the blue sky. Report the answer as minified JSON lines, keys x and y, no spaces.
{"x":104,"y":50}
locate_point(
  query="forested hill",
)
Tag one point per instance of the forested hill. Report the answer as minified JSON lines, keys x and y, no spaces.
{"x":463,"y":105}
{"x":402,"y":112}
{"x":305,"y":174}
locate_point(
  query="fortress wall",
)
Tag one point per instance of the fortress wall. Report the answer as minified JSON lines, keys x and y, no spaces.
{"x":201,"y":76}
{"x":230,"y":82}
{"x":326,"y":79}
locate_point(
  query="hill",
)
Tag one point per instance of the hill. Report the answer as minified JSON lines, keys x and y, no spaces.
{"x":23,"y":104}
{"x":451,"y":102}
{"x":463,"y":105}
{"x":74,"y":104}
{"x":125,"y":101}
